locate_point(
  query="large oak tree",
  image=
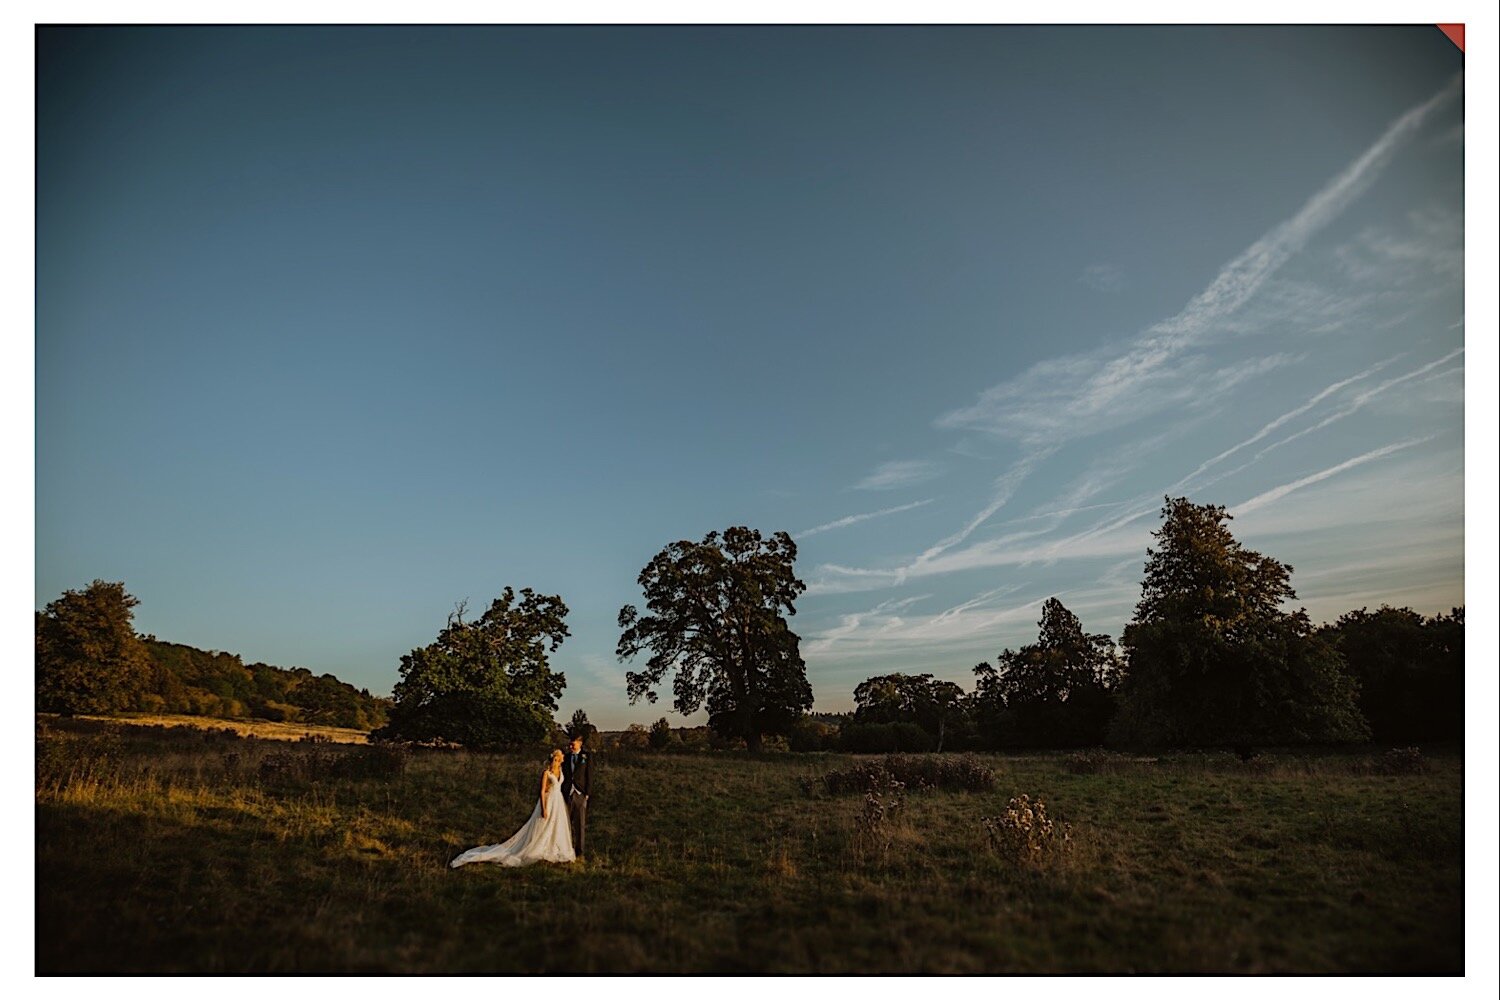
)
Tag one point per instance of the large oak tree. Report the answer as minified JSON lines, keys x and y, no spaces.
{"x":717,"y":615}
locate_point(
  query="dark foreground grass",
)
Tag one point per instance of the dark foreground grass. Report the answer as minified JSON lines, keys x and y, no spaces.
{"x":163,"y":853}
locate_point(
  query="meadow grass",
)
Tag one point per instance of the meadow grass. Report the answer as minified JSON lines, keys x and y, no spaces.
{"x":260,"y":728}
{"x":168,"y":851}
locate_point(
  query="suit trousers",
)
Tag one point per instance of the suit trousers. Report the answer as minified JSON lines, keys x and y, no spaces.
{"x":578,"y":812}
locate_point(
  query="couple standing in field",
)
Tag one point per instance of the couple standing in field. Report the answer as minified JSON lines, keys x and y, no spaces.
{"x":555,"y":830}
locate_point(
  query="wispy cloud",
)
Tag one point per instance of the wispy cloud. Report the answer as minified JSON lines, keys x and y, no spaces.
{"x":1359,"y":401}
{"x":1431,"y":245}
{"x":1282,"y":420}
{"x":1277,"y":492}
{"x":886,"y":627}
{"x":845,"y":522}
{"x":894,"y":475}
{"x":849,"y":624}
{"x":1064,"y":512}
{"x":1128,"y":534}
{"x":1179,"y":366}
{"x":1075,"y":396}
{"x":1005,"y":488}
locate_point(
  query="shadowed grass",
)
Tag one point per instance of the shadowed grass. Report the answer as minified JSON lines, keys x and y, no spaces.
{"x":160,"y":854}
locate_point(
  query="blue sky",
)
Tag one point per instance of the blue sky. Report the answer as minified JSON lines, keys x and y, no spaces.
{"x":336,"y":327}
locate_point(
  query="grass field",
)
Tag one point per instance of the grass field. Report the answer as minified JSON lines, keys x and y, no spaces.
{"x":182,"y":851}
{"x":262,"y":729}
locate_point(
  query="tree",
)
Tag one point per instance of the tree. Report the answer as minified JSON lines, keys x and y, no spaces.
{"x":635,"y":737}
{"x":660,"y":734}
{"x":1212,"y":658}
{"x":1054,"y":692}
{"x":1409,"y":669}
{"x":88,"y":656}
{"x":484,"y":683}
{"x":919,"y":699}
{"x":717,"y":617}
{"x":579,"y":727}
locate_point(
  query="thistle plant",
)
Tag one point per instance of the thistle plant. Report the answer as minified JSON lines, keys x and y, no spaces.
{"x":1025,"y":835}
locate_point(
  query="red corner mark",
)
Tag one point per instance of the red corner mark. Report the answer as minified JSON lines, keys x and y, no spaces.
{"x":1455,"y":33}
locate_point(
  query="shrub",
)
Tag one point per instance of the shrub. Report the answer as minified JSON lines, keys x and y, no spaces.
{"x":660,"y":735}
{"x":379,"y":760}
{"x":1402,"y":760}
{"x":1094,"y":761}
{"x":809,"y":735}
{"x":724,"y":741}
{"x":964,"y":772}
{"x":885,"y":737}
{"x":282,"y":765}
{"x":1024,"y":835}
{"x":634,"y":738}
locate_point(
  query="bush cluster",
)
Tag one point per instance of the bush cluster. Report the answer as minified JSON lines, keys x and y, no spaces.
{"x":1402,"y":760}
{"x":1095,"y":761}
{"x":885,"y":737}
{"x":1025,"y":835}
{"x":963,"y":772}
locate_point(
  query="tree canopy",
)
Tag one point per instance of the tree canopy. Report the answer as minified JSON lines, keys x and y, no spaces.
{"x":484,"y":683}
{"x":1211,"y":656}
{"x":918,"y":699}
{"x":579,"y":727}
{"x":1053,"y":692}
{"x":191,"y":681}
{"x":717,"y":617}
{"x":88,"y":657}
{"x":1410,"y":671}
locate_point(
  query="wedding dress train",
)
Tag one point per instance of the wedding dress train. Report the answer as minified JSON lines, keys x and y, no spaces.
{"x":549,"y":839}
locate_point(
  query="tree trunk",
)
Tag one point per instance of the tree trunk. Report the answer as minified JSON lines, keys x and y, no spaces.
{"x":752,"y":741}
{"x":941,"y":727}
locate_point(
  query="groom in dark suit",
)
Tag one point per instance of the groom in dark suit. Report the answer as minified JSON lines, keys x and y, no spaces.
{"x":575,"y":789}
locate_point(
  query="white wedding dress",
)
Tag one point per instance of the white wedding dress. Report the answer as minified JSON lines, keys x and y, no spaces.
{"x":549,"y":839}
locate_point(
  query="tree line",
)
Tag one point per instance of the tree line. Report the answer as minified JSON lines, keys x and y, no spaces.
{"x":1212,"y":656}
{"x":90,"y":660}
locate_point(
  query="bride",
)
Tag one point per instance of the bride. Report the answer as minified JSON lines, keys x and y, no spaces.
{"x":544,"y":837}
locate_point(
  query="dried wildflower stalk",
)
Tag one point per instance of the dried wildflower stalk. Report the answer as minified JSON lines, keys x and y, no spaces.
{"x":1025,"y":835}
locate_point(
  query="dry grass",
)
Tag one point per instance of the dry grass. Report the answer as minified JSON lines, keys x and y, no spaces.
{"x":259,"y":728}
{"x":165,"y":852}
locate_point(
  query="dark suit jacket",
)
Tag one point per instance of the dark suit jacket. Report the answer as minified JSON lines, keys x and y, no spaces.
{"x":576,"y":777}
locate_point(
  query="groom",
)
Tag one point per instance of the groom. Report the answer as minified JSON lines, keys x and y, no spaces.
{"x":576,"y":790}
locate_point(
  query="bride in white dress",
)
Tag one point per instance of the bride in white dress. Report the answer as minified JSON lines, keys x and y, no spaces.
{"x":546,"y":835}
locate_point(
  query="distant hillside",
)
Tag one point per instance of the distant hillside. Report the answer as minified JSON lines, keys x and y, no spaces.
{"x":191,"y":681}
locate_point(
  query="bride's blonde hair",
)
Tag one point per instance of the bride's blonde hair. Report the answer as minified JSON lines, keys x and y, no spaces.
{"x":556,"y":763}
